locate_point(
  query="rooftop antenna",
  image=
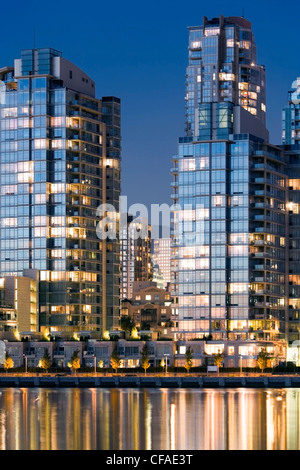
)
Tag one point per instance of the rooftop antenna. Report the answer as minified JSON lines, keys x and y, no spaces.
{"x":33,"y":37}
{"x":243,"y":15}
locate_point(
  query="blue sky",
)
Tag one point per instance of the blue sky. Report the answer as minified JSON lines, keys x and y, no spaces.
{"x":138,"y":51}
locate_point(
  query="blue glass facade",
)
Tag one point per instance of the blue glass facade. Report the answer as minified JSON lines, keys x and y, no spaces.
{"x":229,"y":241}
{"x":222,"y":69}
{"x":60,"y":159}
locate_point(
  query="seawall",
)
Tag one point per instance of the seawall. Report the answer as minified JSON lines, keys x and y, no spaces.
{"x":149,"y":382}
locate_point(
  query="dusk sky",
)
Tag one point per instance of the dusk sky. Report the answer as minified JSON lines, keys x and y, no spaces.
{"x":138,"y":51}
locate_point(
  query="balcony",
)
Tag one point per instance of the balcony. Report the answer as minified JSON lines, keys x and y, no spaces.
{"x":258,"y":242}
{"x":259,"y":254}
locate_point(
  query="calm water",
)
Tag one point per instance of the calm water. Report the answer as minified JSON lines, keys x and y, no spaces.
{"x":130,"y":419}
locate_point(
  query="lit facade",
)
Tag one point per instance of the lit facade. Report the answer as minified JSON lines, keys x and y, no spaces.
{"x":162,"y":258}
{"x":135,"y":255}
{"x":292,"y":154}
{"x":149,"y":308}
{"x":230,"y":232}
{"x":19,"y":303}
{"x":222,"y":69}
{"x":60,"y":159}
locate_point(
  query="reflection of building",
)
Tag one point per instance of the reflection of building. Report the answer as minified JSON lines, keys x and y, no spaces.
{"x":136,"y":264}
{"x":162,"y":258}
{"x":149,"y":308}
{"x":230,"y":233}
{"x":19,"y":303}
{"x":60,"y":159}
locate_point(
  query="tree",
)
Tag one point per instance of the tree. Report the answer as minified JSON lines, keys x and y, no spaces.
{"x":74,"y":363}
{"x":188,"y":359}
{"x":9,"y":363}
{"x":115,"y":360}
{"x":126,"y":323}
{"x":45,"y":362}
{"x":134,"y":333}
{"x":262,"y":359}
{"x":145,"y":358}
{"x":218,"y":359}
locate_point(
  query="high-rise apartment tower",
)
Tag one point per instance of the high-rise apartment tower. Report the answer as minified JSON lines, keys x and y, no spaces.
{"x":230,"y":233}
{"x":60,"y":159}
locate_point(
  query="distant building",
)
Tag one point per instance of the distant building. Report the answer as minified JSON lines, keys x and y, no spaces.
{"x":135,"y":256}
{"x":291,"y":116}
{"x":162,"y":258}
{"x":158,"y":277}
{"x":149,"y":308}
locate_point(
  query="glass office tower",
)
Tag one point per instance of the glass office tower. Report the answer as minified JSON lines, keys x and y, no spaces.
{"x":229,"y":240}
{"x":60,"y":159}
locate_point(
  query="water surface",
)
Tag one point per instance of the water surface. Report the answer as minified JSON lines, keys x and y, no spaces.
{"x":149,"y":419}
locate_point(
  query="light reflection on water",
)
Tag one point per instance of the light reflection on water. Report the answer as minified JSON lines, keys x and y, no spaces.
{"x":149,"y":419}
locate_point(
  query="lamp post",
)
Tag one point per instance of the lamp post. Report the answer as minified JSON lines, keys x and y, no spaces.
{"x":166,"y":361}
{"x":95,"y":360}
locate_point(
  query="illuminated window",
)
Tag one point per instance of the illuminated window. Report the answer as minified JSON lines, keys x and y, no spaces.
{"x":57,"y":253}
{"x":57,"y":231}
{"x":59,"y":221}
{"x":40,"y":232}
{"x":9,"y":222}
{"x":187,"y":252}
{"x":187,"y":214}
{"x":58,"y":121}
{"x":188,"y":264}
{"x":202,"y":251}
{"x":230,"y":42}
{"x":238,"y":288}
{"x":214,"y":348}
{"x":40,"y":198}
{"x":227,"y":77}
{"x":196,"y":45}
{"x":187,"y":164}
{"x":238,"y":238}
{"x":39,"y":220}
{"x":239,"y":250}
{"x":57,"y":188}
{"x":40,"y":143}
{"x":218,"y":201}
{"x":58,"y":144}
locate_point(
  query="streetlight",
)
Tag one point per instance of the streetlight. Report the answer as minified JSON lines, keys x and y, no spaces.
{"x":166,"y":361}
{"x":95,"y":369}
